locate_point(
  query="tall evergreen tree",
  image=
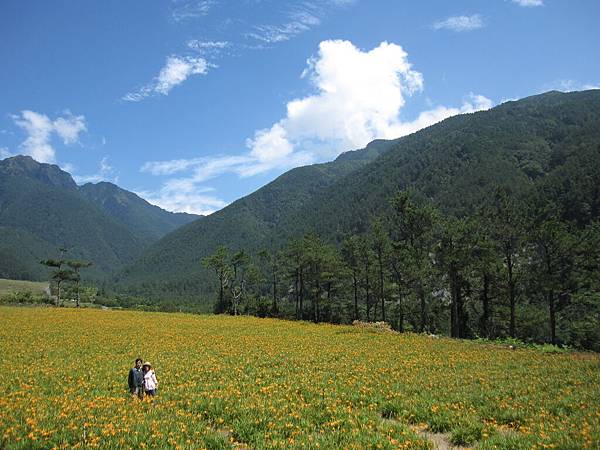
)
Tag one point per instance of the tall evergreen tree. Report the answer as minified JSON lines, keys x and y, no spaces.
{"x":412,"y":234}
{"x":507,"y":219}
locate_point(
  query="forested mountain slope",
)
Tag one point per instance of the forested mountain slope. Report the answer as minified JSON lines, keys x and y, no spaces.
{"x":548,"y":144}
{"x":42,"y":209}
{"x":173,"y":264}
{"x":143,"y":219}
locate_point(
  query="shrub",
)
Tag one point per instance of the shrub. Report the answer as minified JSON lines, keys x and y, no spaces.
{"x":381,"y":327}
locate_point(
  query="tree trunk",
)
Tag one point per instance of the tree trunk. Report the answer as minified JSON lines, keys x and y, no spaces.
{"x":297,"y":293}
{"x":316,"y":300}
{"x":328,"y":289}
{"x":381,"y":287}
{"x":58,"y":293}
{"x":511,"y":293}
{"x":368,"y":293}
{"x":423,"y":309}
{"x":400,"y":323}
{"x":274,"y":292}
{"x":552,"y":306}
{"x":355,"y":282}
{"x":221,"y":296}
{"x":400,"y":310}
{"x":301,"y":295}
{"x":484,"y":324}
{"x":78,"y":296}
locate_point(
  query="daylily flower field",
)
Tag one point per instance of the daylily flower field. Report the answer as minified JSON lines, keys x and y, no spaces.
{"x":244,"y":382}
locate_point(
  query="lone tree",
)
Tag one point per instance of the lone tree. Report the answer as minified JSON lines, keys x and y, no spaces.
{"x":75,"y":267}
{"x":59,"y":274}
{"x":65,"y":270}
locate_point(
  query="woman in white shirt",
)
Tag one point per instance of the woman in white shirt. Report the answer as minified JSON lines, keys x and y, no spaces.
{"x":150,"y":381}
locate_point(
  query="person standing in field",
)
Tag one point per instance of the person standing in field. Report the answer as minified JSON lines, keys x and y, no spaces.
{"x":136,"y":379}
{"x":150,"y":381}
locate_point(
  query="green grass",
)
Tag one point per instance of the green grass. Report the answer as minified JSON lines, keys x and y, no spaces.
{"x":10,"y":286}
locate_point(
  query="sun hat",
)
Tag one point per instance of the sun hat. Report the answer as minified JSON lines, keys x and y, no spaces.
{"x":147,"y":364}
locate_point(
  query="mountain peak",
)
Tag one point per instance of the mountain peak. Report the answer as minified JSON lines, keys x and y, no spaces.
{"x":51,"y":174}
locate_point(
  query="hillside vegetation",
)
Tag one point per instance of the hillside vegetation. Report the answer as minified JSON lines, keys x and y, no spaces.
{"x":173,"y":265}
{"x":243,"y":382}
{"x":547,"y":145}
{"x":10,"y":286}
{"x":42,"y":209}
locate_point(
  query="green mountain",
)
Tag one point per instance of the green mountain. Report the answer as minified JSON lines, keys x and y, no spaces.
{"x":140,"y":217}
{"x":42,"y":209}
{"x":548,"y":143}
{"x":251,"y":222}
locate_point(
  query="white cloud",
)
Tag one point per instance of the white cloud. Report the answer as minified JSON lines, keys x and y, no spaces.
{"x":191,"y":9}
{"x":176,"y":70}
{"x":178,"y":196}
{"x":529,"y":3}
{"x":460,"y":23}
{"x":568,"y":85}
{"x":69,"y":128}
{"x":208,"y":47}
{"x":300,"y":21}
{"x":358,"y":97}
{"x":170,"y":167}
{"x":4,"y":153}
{"x":67,"y":167}
{"x":40,"y":128}
{"x":105,"y":173}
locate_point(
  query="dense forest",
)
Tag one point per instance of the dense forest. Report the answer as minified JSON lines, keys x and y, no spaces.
{"x":514,"y":268}
{"x":545,"y":145}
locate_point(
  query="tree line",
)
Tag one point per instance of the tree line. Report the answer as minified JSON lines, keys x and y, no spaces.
{"x":514,"y":268}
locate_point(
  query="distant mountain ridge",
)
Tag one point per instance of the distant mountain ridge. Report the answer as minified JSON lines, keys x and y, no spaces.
{"x":543,"y":143}
{"x":147,"y":220}
{"x":42,"y":208}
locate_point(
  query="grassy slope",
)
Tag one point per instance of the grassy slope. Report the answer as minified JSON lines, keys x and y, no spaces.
{"x":8,"y":286}
{"x":271,"y":383}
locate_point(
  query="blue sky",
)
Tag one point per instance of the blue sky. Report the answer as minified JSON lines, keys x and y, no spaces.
{"x":195,"y":103}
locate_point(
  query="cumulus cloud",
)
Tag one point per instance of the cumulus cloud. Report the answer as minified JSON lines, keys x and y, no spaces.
{"x":529,"y":3}
{"x":176,"y":70}
{"x":40,"y":129}
{"x":358,"y":97}
{"x":460,"y":23}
